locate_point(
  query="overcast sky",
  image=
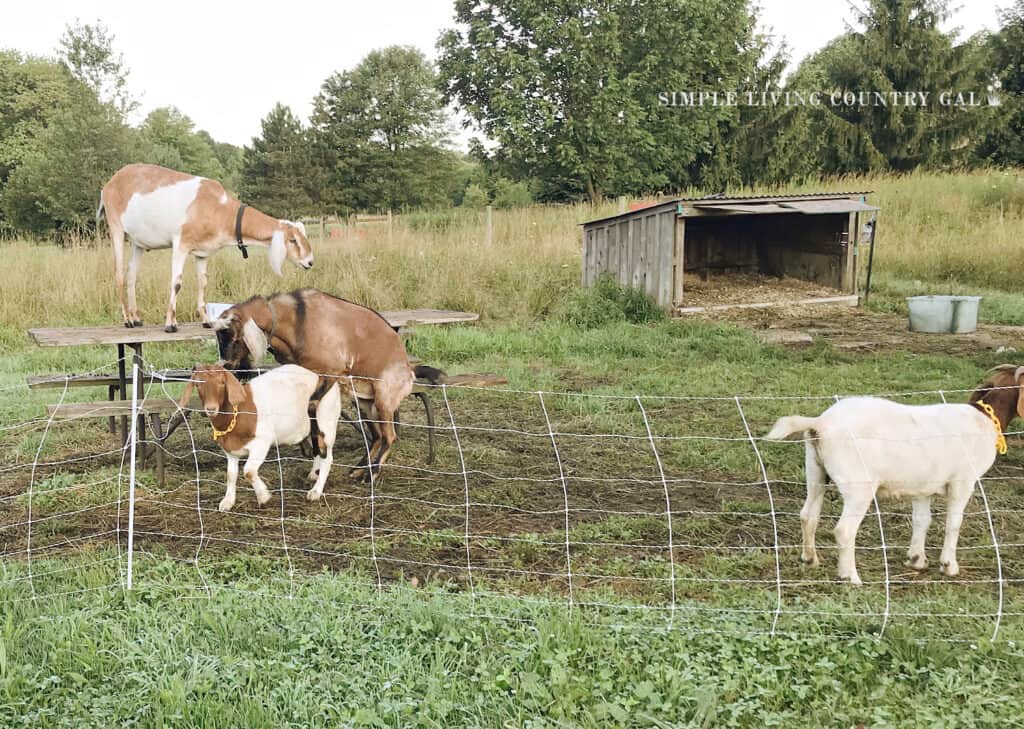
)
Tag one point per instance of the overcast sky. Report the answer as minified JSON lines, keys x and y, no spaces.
{"x":226,"y":64}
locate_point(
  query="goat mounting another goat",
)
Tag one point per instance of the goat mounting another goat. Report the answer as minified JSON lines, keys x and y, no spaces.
{"x":271,"y":410}
{"x":351,"y":344}
{"x":870,"y":446}
{"x":161,"y":208}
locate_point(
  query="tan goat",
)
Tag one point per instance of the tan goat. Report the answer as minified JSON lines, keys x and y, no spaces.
{"x":336,"y":339}
{"x":160,"y":208}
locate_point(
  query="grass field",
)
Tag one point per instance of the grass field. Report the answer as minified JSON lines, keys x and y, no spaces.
{"x":226,"y":628}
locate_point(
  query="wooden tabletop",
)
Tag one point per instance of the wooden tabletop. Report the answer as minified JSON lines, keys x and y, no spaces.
{"x":73,"y":336}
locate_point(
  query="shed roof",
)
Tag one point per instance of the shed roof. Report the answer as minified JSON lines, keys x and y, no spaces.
{"x":815,"y":203}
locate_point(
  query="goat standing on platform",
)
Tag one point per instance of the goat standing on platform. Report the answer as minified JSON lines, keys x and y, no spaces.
{"x":161,"y":208}
{"x":271,"y":410}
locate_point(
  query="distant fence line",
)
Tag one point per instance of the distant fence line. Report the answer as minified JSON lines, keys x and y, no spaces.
{"x":351,"y":226}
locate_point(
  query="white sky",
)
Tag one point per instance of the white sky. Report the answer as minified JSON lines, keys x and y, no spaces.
{"x":226,"y":64}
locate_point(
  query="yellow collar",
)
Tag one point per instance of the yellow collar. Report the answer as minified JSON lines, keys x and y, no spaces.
{"x":234,"y":419}
{"x":1000,"y":438}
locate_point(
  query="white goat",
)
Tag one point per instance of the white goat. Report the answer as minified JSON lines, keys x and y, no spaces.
{"x":161,"y":208}
{"x":870,"y":446}
{"x":272,"y":409}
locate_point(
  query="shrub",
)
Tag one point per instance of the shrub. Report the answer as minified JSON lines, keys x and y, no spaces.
{"x":475,"y":197}
{"x":606,"y":302}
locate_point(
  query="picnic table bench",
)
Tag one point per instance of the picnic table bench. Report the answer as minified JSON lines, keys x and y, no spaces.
{"x":154,"y":409}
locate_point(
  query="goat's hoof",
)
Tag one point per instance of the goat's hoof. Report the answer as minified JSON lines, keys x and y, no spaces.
{"x":357,"y":474}
{"x":225,"y":505}
{"x":136,"y":322}
{"x":127,"y":325}
{"x":313,"y":495}
{"x":813,"y":562}
{"x":950,"y":569}
{"x":171,"y":328}
{"x":917,"y":562}
{"x":853,"y":579}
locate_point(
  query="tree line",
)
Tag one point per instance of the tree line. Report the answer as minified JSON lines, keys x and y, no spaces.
{"x":568,"y":100}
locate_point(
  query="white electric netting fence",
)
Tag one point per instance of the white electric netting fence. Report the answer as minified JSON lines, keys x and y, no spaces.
{"x":628,"y":509}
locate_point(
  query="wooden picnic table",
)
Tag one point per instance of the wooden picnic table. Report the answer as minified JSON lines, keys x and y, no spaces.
{"x":134,"y":338}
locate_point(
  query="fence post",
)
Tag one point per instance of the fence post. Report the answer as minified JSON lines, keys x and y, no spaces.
{"x":489,"y":226}
{"x":131,"y":469}
{"x":389,"y":225}
{"x":622,"y":204}
{"x":323,"y":229}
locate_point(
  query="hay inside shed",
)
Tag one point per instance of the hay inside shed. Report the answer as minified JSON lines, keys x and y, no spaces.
{"x":664,"y":248}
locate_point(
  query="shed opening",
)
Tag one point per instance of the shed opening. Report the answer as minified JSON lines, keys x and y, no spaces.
{"x":706,"y":251}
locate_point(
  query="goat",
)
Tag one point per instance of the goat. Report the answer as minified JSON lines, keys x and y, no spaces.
{"x":871,"y":446}
{"x":352,"y":344}
{"x":161,"y":208}
{"x":270,"y":410}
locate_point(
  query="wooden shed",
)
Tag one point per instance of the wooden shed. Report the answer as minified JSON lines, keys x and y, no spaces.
{"x":812,"y":237}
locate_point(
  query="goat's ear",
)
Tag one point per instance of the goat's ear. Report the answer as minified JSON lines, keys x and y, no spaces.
{"x":1020,"y":390}
{"x":222,"y":322}
{"x":278,"y":252}
{"x":186,"y":395}
{"x":236,"y":391}
{"x":255,"y":340}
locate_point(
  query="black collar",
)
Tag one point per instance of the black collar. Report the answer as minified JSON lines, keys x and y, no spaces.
{"x":238,"y":230}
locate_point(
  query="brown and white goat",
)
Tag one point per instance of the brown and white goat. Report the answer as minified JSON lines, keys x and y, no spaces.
{"x":1002,"y":390}
{"x":161,"y":208}
{"x":336,"y":339}
{"x":271,"y":410}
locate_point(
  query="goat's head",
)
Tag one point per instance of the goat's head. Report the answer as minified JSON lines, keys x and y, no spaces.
{"x":240,"y":341}
{"x":289,"y":241}
{"x":218,"y":389}
{"x":1002,"y":390}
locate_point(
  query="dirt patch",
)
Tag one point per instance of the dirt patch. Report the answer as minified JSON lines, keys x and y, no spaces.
{"x":748,"y":288}
{"x":857,"y":330}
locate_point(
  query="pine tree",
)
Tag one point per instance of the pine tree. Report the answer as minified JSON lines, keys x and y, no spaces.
{"x":278,"y":176}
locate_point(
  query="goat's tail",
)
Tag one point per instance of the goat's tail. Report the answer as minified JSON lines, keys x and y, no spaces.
{"x":99,"y":211}
{"x":785,"y":427}
{"x":431,"y":374}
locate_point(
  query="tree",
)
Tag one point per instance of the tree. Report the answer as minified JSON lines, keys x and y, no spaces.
{"x":88,"y":52}
{"x":570,"y":90}
{"x":32,"y":92}
{"x":278,"y":175}
{"x":380,"y":134}
{"x":898,"y":49}
{"x":1005,"y":143}
{"x":169,"y":139}
{"x":56,"y":186}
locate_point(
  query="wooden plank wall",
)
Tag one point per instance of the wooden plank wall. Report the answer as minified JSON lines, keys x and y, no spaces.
{"x":637,"y":250}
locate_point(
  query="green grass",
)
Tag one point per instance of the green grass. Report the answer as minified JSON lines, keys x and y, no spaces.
{"x":337,"y":654}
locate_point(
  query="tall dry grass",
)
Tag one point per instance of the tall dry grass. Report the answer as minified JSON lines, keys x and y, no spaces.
{"x":937,"y":228}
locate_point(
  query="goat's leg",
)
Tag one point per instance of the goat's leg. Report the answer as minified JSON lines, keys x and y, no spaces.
{"x":958,"y":493}
{"x":855,"y":505}
{"x":386,"y":440}
{"x":328,"y":412}
{"x":811,"y":511}
{"x":368,"y":420}
{"x":133,"y":277}
{"x":921,"y":519}
{"x":178,"y":257}
{"x":257,"y":454}
{"x":117,"y":242}
{"x":228,"y":501}
{"x":201,"y":279}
